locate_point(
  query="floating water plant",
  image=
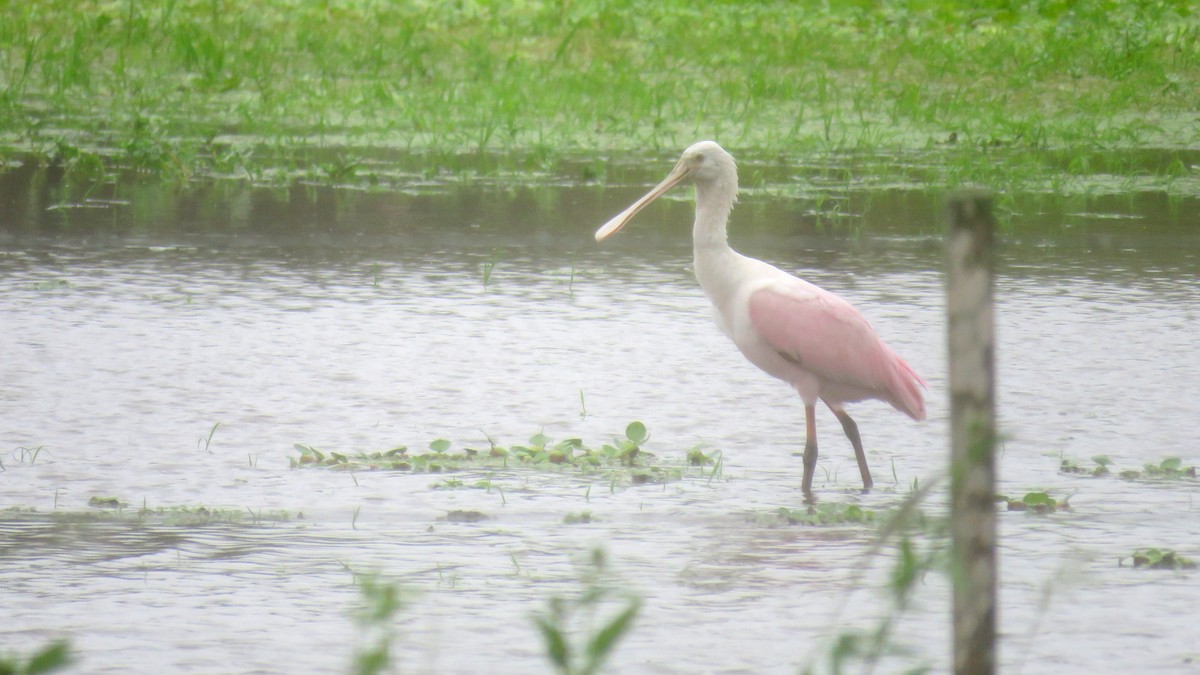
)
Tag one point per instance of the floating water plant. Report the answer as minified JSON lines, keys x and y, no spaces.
{"x":1159,"y":559}
{"x":1100,"y":469}
{"x":1034,"y":502}
{"x":99,"y":502}
{"x":622,"y":458}
{"x":583,"y":517}
{"x":112,"y":509}
{"x":1171,"y":468}
{"x":828,"y":513}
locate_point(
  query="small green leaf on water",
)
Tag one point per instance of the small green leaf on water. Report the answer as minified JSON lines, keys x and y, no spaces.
{"x":1038,"y":499}
{"x":1036,"y":502}
{"x":440,"y":445}
{"x":1171,"y":464}
{"x":636,"y":432}
{"x":1102,"y":460}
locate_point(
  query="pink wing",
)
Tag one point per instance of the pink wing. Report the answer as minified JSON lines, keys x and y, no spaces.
{"x":828,"y":337}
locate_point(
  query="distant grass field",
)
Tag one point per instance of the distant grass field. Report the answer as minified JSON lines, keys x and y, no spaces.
{"x":186,"y":88}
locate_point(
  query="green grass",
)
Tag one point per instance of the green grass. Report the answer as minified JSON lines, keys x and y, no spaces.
{"x":337,"y":92}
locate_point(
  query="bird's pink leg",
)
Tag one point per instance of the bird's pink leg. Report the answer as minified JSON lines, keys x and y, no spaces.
{"x":810,"y":449}
{"x":851,"y":429}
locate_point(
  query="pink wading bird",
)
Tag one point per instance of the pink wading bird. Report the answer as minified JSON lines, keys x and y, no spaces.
{"x":796,"y":331}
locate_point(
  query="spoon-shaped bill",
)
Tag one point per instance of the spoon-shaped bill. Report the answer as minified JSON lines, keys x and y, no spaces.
{"x":610,"y":228}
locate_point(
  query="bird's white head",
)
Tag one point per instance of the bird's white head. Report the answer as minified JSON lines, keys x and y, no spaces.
{"x":707,"y":164}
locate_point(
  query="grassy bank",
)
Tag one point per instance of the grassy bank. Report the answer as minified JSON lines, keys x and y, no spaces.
{"x":255,"y":90}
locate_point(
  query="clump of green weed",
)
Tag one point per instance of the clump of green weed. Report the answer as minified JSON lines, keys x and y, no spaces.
{"x":1159,"y":559}
{"x":1171,"y":468}
{"x":583,"y":517}
{"x":1101,"y":462}
{"x":624,"y":457}
{"x":98,"y":502}
{"x":112,"y":509}
{"x":1034,"y":502}
{"x":832,"y":513}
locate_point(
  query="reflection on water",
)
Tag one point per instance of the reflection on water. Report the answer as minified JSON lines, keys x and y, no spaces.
{"x":358,"y":321}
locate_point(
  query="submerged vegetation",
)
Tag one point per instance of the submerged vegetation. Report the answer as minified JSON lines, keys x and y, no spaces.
{"x":1035,"y":94}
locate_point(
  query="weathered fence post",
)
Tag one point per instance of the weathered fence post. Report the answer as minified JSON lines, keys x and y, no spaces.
{"x":972,"y":431}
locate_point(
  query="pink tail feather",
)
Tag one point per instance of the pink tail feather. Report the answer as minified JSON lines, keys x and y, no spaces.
{"x":906,"y":389}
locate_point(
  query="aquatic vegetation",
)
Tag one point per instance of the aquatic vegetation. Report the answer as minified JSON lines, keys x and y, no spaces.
{"x":465,"y":516}
{"x":583,"y":517}
{"x":828,"y":513}
{"x":624,"y":458}
{"x":1034,"y":502}
{"x":1171,"y":468}
{"x":25,"y":454}
{"x":1160,"y":559}
{"x":112,"y":509}
{"x":581,"y":630}
{"x":51,"y":285}
{"x":47,"y":659}
{"x":206,"y":441}
{"x":489,"y":265}
{"x":99,"y":502}
{"x":1101,"y":462}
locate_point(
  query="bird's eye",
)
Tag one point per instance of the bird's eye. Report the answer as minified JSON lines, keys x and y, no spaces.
{"x":699,"y":157}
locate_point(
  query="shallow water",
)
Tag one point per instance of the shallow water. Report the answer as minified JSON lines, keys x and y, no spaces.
{"x":356,"y":321}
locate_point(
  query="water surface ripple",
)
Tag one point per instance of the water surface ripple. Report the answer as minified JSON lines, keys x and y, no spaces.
{"x":119,"y":355}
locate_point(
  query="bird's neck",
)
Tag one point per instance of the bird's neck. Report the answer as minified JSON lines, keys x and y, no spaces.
{"x":713,"y":204}
{"x":710,"y":244}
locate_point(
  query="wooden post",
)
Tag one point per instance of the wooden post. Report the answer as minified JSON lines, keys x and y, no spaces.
{"x":972,"y":431}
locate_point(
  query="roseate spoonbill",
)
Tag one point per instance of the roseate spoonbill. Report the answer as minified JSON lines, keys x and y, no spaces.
{"x":792,"y":329}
